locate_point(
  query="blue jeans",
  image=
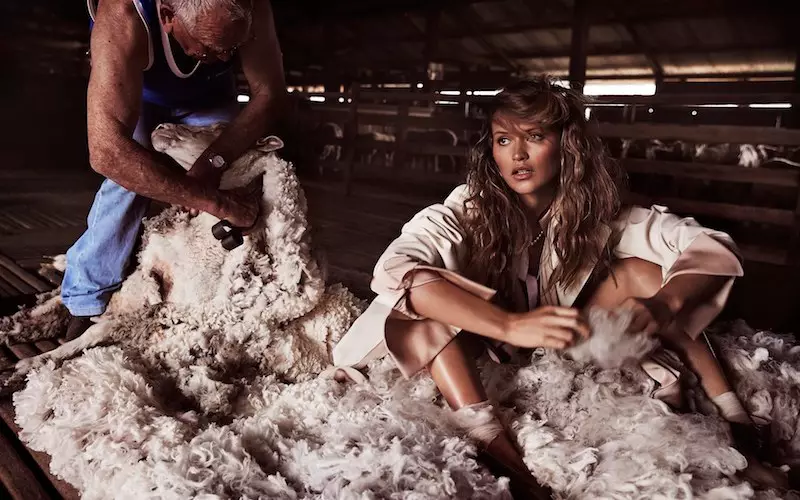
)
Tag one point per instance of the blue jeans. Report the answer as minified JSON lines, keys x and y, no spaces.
{"x":97,"y":262}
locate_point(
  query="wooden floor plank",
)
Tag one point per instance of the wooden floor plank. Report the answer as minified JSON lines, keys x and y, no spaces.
{"x":38,"y":243}
{"x":7,"y":358}
{"x":6,"y":290}
{"x":10,"y":279}
{"x":45,"y":345}
{"x":63,"y":489}
{"x":22,"y":351}
{"x":17,"y":477}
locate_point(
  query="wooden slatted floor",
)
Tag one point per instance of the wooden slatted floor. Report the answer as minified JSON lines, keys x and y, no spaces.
{"x":24,"y":473}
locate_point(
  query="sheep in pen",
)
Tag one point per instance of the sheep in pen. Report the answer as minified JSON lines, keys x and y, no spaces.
{"x":210,"y":377}
{"x":743,"y":155}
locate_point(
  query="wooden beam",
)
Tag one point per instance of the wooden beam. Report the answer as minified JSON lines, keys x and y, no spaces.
{"x":579,"y":45}
{"x":712,"y":172}
{"x":729,"y":211}
{"x":511,"y":59}
{"x":653,"y":100}
{"x":632,"y":50}
{"x":727,"y":87}
{"x":652,"y":58}
{"x":432,"y":24}
{"x":399,"y":62}
{"x":742,"y":75}
{"x":695,"y":99}
{"x":309,"y":12}
{"x":633,"y":13}
{"x":708,"y":134}
{"x":469,"y":19}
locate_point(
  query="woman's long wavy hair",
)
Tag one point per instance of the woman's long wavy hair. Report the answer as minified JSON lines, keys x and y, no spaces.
{"x":588,"y":193}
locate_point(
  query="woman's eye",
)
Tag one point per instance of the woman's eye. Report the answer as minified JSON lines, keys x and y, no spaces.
{"x":503,"y":141}
{"x":536,"y":137}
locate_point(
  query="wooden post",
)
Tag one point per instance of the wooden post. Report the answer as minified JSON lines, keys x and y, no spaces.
{"x":431,"y":42}
{"x":580,"y":45}
{"x":629,"y":113}
{"x":794,"y":114}
{"x":351,"y":136}
{"x":793,"y":255}
{"x":399,"y":157}
{"x":659,"y":77}
{"x":463,"y":86}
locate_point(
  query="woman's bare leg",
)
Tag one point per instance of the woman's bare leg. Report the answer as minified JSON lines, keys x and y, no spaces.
{"x":638,"y":278}
{"x":456,"y":375}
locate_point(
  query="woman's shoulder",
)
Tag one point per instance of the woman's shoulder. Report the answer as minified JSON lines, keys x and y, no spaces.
{"x":458,"y":195}
{"x":636,"y":221}
{"x":450,"y":211}
{"x":638,"y":214}
{"x":454,"y":202}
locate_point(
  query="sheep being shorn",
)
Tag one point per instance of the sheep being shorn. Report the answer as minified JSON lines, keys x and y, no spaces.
{"x":187,"y":288}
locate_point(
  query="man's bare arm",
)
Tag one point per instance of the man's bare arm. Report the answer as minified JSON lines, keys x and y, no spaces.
{"x":119,"y":56}
{"x":262,"y":63}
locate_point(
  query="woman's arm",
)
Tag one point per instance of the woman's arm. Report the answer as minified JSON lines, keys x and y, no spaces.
{"x":442,"y":301}
{"x":686,"y":291}
{"x":699,"y":266}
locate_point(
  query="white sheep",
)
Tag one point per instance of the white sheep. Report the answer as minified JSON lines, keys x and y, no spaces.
{"x":186,"y":280}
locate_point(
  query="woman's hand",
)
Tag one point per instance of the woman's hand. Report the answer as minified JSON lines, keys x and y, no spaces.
{"x":649,"y":315}
{"x":548,"y":326}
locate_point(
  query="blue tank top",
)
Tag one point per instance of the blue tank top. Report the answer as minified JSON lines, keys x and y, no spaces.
{"x":173,"y":79}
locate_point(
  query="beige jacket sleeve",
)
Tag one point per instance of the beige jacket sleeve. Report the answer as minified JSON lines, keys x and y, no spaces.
{"x":432,"y":240}
{"x":680,"y":245}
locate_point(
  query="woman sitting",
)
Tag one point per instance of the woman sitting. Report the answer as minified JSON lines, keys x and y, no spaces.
{"x":536,"y":236}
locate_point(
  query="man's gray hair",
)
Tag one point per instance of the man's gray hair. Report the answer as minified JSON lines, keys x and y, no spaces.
{"x":189,"y":10}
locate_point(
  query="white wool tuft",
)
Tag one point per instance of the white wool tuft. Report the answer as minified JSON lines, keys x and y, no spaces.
{"x":609,"y":345}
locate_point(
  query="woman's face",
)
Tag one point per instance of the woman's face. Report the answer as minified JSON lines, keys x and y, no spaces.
{"x":528,"y":156}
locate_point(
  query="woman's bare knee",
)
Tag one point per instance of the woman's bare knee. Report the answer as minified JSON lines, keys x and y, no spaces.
{"x":631,"y":277}
{"x":455,"y":372}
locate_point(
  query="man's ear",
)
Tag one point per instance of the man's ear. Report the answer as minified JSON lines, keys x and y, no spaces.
{"x":167,"y":18}
{"x":269,"y":144}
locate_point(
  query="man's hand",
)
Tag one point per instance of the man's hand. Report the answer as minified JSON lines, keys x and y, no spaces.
{"x":242,"y":206}
{"x":649,"y":315}
{"x":203,"y":171}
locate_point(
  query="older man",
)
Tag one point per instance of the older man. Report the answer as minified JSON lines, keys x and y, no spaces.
{"x":156,"y":61}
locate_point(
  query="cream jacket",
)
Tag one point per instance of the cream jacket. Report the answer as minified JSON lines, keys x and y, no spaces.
{"x":434,"y":240}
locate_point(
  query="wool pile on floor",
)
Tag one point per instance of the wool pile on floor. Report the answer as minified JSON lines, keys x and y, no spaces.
{"x":118,"y":428}
{"x":224,"y":398}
